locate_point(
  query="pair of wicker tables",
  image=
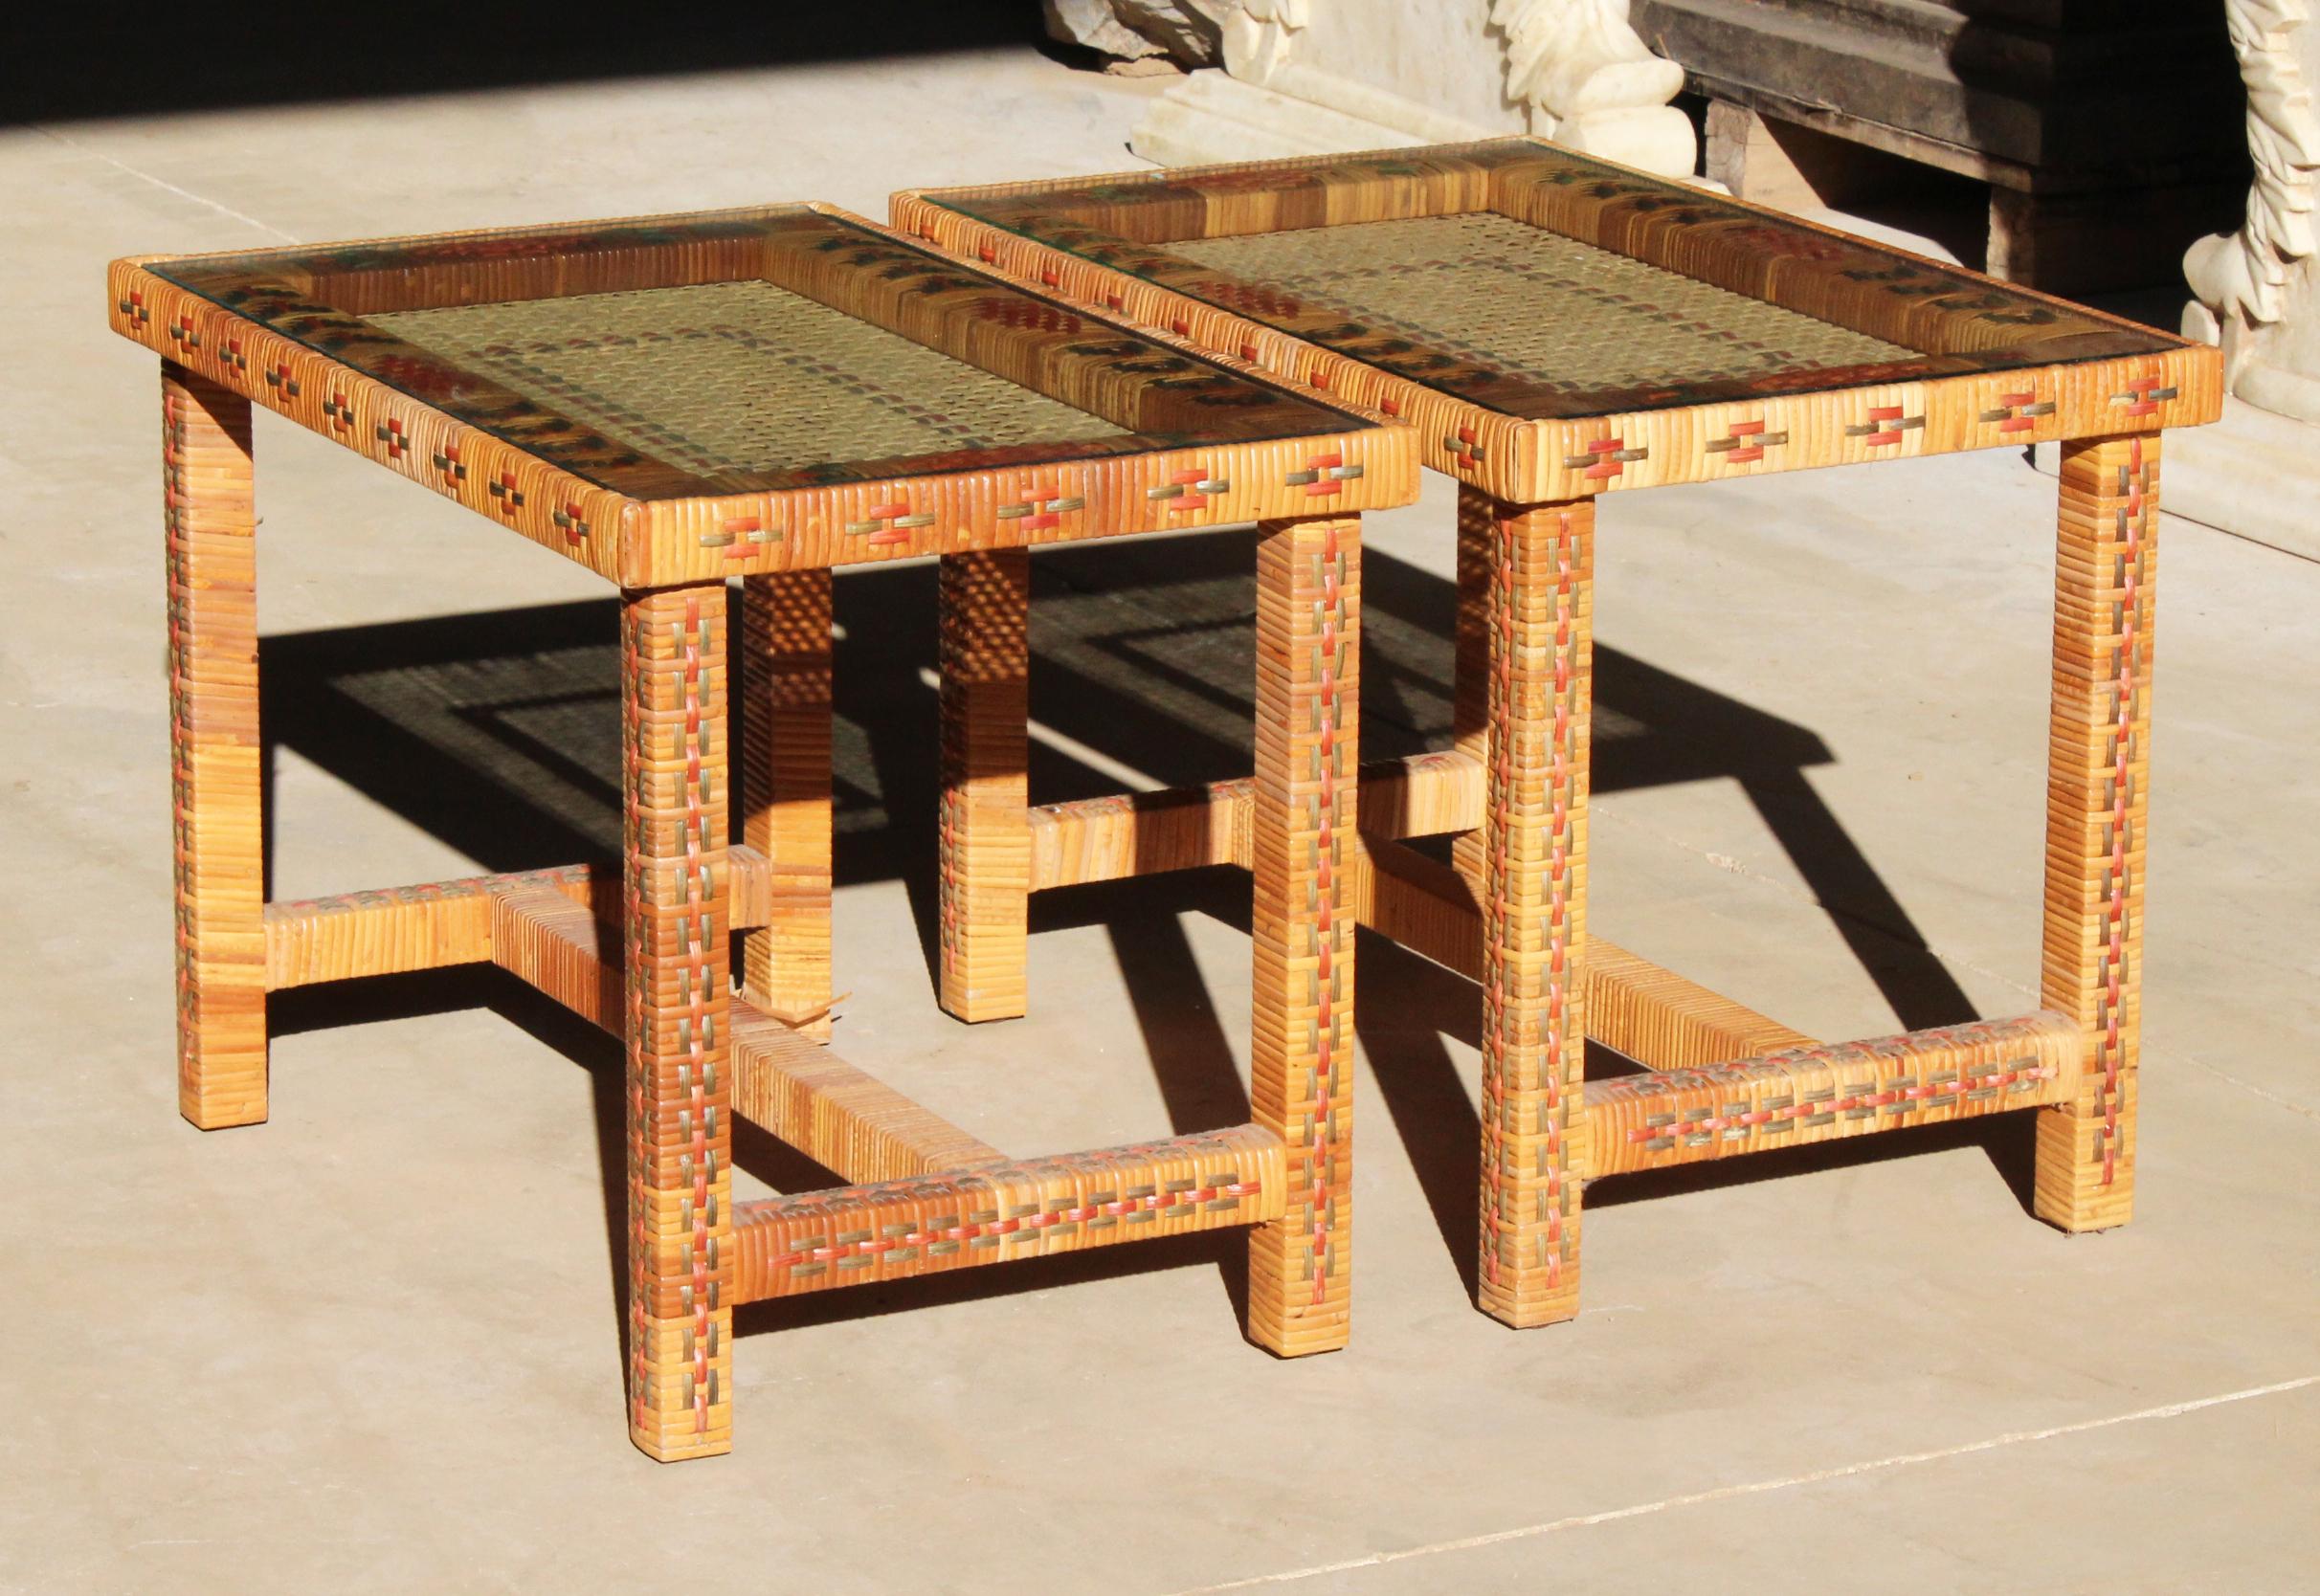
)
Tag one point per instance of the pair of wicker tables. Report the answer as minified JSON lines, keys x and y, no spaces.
{"x":772,"y":393}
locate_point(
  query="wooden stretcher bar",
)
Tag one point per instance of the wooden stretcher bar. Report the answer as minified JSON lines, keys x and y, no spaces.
{"x":392,"y":930}
{"x":1143,"y":833}
{"x":395,"y":930}
{"x":434,"y":926}
{"x":861,"y":1235}
{"x":554,"y":944}
{"x":1820,"y":1093}
{"x":1662,"y":1020}
{"x":834,"y":1114}
{"x":796,"y":1089}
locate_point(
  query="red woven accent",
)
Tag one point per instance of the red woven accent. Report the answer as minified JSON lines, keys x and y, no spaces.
{"x":1011,"y":312}
{"x":1264,"y":304}
{"x":1045,"y":1220}
{"x":2114,"y":877}
{"x":1884,"y":1098}
{"x":1325,"y":1060}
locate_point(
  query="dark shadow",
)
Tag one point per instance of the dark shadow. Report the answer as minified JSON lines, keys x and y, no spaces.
{"x":1192,"y":1058}
{"x":498,"y":733}
{"x":1406,"y":1006}
{"x":2076,"y":146}
{"x":1919,"y":987}
{"x":1223,"y":1249}
{"x":2120,"y":130}
{"x":2009,"y":1141}
{"x":75,"y":62}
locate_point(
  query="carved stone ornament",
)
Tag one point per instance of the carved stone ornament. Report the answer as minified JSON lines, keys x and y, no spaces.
{"x":2255,"y":287}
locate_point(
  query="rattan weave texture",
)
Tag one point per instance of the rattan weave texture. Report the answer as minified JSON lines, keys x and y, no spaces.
{"x":1565,"y":315}
{"x":731,"y":377}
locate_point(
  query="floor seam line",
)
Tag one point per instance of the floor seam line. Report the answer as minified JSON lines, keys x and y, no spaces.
{"x":171,"y":187}
{"x":1753,"y":1487}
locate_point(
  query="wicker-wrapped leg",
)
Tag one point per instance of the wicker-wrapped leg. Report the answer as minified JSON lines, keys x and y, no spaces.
{"x":1534,"y":908}
{"x":214,"y":752}
{"x":2099,"y":748}
{"x":785,"y":793}
{"x":986,"y":823}
{"x":676,"y":924}
{"x":1300,"y":846}
{"x":1470,"y":679}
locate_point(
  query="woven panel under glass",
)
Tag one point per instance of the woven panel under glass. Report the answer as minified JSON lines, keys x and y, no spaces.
{"x":1565,"y":316}
{"x":740,"y":377}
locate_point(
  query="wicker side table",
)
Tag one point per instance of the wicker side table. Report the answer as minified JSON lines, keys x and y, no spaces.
{"x":769,"y":395}
{"x":1554,"y":329}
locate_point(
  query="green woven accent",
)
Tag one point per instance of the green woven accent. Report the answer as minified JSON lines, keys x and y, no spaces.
{"x":1532,"y":304}
{"x":741,"y":377}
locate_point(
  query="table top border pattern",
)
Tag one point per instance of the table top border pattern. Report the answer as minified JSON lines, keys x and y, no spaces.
{"x":660,"y":543}
{"x":1713,"y":238}
{"x":1875,"y":413}
{"x":325,"y":296}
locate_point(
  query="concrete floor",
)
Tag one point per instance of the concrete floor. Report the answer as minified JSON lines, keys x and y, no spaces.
{"x":372,"y":1346}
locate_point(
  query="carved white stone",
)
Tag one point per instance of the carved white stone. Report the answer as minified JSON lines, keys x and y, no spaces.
{"x":1590,"y":82}
{"x":1258,"y":37}
{"x":2259,"y":289}
{"x":1311,"y":77}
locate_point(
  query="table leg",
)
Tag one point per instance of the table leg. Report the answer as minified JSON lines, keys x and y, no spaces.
{"x":675,"y":905}
{"x":1534,"y":907}
{"x":1301,"y":830}
{"x":214,"y":751}
{"x":1477,"y":516}
{"x":785,"y":792}
{"x":985,"y":600}
{"x":2099,"y":747}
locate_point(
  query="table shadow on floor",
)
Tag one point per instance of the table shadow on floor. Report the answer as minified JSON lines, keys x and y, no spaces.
{"x":498,"y":734}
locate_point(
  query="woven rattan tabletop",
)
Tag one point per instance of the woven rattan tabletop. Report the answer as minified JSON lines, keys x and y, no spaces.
{"x":1524,"y":304}
{"x":753,"y":390}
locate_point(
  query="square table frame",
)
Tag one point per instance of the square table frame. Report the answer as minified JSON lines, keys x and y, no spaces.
{"x":1999,"y":367}
{"x":644,"y":951}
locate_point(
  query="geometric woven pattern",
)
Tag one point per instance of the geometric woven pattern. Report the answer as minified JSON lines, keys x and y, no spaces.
{"x":673,"y":402}
{"x":779,"y":349}
{"x":728,"y":377}
{"x":1553,"y":329}
{"x":1563,"y":315}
